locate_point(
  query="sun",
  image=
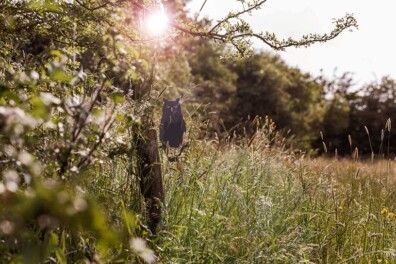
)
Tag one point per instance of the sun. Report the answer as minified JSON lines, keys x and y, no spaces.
{"x":157,"y":23}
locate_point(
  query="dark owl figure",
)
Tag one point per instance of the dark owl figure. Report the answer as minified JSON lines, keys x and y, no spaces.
{"x":172,"y":125}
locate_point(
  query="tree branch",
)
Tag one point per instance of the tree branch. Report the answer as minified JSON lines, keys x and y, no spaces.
{"x":235,"y":33}
{"x":93,"y":8}
{"x":237,"y":15}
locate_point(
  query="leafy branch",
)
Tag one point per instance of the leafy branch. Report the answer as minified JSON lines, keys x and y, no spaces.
{"x":232,"y":15}
{"x":234,"y":30}
{"x":84,"y":5}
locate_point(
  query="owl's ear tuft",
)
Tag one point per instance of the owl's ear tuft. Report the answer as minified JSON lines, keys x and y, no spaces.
{"x":178,"y":99}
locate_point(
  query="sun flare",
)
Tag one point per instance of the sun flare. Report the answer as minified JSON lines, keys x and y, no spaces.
{"x":157,"y":23}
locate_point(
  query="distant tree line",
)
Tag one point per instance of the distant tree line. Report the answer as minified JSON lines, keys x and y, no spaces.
{"x":301,"y":105}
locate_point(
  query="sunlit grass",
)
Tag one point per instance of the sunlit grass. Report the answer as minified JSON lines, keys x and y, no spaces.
{"x":252,"y":203}
{"x":247,"y":205}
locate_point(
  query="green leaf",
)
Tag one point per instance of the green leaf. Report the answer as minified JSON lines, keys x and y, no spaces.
{"x":39,"y":108}
{"x":50,"y":242}
{"x":60,"y":75}
{"x":145,"y":64}
{"x":120,"y":130}
{"x":56,"y":53}
{"x":120,"y":117}
{"x":134,"y":52}
{"x":117,"y":98}
{"x":60,"y":256}
{"x":133,"y":74}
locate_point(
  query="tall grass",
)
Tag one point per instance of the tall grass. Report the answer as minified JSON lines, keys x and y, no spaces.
{"x":253,"y":202}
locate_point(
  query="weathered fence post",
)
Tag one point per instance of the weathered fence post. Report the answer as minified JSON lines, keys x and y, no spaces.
{"x":150,"y":176}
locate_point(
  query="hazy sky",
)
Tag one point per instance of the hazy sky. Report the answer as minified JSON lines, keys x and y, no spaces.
{"x":368,"y":52}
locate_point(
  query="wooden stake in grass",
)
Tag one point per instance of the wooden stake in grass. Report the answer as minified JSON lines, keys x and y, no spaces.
{"x":149,"y":174}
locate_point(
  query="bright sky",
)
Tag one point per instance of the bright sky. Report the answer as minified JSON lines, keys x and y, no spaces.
{"x":368,"y":52}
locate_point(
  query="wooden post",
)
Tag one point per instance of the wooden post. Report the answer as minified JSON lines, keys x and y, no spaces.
{"x":150,"y":177}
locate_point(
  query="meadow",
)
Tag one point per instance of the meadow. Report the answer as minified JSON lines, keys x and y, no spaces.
{"x":253,"y":201}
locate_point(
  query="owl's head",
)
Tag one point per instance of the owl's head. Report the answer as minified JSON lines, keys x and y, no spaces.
{"x":171,"y":106}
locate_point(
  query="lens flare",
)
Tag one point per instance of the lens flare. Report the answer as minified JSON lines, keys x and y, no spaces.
{"x":157,"y":23}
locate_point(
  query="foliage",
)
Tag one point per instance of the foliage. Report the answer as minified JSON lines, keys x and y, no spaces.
{"x":62,"y":112}
{"x":352,"y":109}
{"x":261,"y":85}
{"x":267,"y":86}
{"x":215,"y":91}
{"x":228,"y":92}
